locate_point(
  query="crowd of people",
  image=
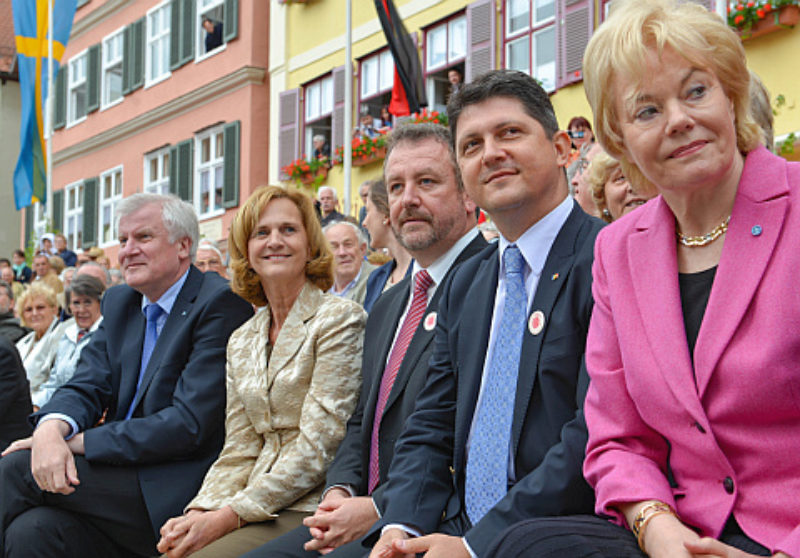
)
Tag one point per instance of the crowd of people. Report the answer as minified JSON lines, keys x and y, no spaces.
{"x":614,"y":374}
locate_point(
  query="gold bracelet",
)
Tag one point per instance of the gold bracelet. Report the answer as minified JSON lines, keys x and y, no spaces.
{"x":648,"y":512}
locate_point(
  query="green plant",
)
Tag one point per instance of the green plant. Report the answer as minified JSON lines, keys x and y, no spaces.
{"x":744,"y":14}
{"x":303,"y":168}
{"x":363,"y":148}
{"x":786,"y":147}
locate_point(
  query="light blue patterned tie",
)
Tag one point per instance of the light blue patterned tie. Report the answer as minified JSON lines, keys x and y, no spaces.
{"x":152,"y":311}
{"x":487,"y":462}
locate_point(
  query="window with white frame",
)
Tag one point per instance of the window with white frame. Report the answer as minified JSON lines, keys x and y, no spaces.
{"x":445,"y":50}
{"x":110,"y":195}
{"x":211,"y":14}
{"x":158,"y":37}
{"x":209,"y":149}
{"x":156,"y":172}
{"x":112,"y":69}
{"x":376,"y":78}
{"x":77,"y":89}
{"x":39,"y":220}
{"x":318,"y":98}
{"x":530,"y":39}
{"x":73,"y":215}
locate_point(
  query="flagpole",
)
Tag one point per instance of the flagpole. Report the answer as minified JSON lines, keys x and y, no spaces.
{"x":348,"y":108}
{"x":48,"y":134}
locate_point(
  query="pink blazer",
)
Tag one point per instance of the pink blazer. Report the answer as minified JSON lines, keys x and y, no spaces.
{"x":731,"y":437}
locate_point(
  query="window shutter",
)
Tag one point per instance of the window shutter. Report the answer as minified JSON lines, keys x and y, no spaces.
{"x":175,"y":35}
{"x":93,"y":79}
{"x":28,"y":225}
{"x":338,"y":125}
{"x":480,"y":39}
{"x":288,"y":127}
{"x":58,"y":210}
{"x":230,"y":182}
{"x":230,"y":25}
{"x":89,"y":213}
{"x":60,"y":116}
{"x":180,"y":170}
{"x":188,"y":31}
{"x":137,"y":50}
{"x":574,"y":30}
{"x":127,"y":59}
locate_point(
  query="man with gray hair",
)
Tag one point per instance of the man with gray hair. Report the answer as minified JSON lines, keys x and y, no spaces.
{"x":327,"y":206}
{"x":349,"y":247}
{"x":155,"y":369}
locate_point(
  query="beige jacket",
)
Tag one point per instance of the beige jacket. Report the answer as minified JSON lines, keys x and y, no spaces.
{"x":286,"y":412}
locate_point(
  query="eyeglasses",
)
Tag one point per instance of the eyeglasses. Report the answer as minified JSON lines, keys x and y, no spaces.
{"x":576,"y":135}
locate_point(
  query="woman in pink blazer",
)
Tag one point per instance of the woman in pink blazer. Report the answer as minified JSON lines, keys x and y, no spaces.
{"x":693,"y":409}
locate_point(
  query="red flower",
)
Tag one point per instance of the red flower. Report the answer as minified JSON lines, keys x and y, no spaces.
{"x":751,"y":4}
{"x":767,"y":7}
{"x":738,"y":19}
{"x":760,"y":13}
{"x":739,"y":7}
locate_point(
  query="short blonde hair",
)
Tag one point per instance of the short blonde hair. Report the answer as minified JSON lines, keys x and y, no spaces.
{"x":620,"y":47}
{"x":246,"y":283}
{"x":36,"y":289}
{"x":600,"y":170}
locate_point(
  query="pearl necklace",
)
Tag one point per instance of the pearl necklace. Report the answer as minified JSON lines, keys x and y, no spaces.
{"x":704,"y":239}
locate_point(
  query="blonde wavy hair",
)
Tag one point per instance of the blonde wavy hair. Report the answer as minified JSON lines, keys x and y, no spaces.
{"x":37,"y":289}
{"x":620,"y":46}
{"x":245,"y":282}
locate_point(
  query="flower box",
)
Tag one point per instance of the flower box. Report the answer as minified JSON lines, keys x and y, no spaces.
{"x":319,"y":176}
{"x":378,"y":155}
{"x":784,"y":17}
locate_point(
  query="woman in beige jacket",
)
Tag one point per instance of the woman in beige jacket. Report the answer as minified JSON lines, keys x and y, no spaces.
{"x":293,"y":377}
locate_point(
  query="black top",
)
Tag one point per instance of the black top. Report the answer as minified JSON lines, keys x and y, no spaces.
{"x":695,"y":290}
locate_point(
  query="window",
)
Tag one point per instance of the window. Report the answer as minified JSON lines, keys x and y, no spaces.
{"x":210,"y":30}
{"x":318,"y":110}
{"x":209,"y":148}
{"x":158,"y":41}
{"x":73,"y":215}
{"x":376,"y":78}
{"x":77,"y":89}
{"x":156,"y":172}
{"x":112,"y":69}
{"x":445,"y":50}
{"x":39,"y":220}
{"x":530,"y":33}
{"x":110,"y":195}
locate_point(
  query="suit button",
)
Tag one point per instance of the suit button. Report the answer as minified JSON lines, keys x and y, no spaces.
{"x":728,"y":485}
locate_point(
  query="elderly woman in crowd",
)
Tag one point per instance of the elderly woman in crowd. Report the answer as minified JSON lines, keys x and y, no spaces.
{"x":292,"y":382}
{"x":38,"y":310}
{"x":381,"y":236}
{"x":693,"y":408}
{"x":83,"y":299}
{"x":612,"y":192}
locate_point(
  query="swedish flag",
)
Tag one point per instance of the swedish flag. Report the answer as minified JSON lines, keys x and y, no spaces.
{"x":32,"y":31}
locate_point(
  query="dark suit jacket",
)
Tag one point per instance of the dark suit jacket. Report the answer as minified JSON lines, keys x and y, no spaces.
{"x":15,"y":395}
{"x":351,"y":465}
{"x":177,"y":426}
{"x":426,"y":480}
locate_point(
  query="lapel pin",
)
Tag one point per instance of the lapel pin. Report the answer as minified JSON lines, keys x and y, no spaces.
{"x":430,"y":321}
{"x":536,"y":322}
{"x":554,"y":277}
{"x":756,"y":230}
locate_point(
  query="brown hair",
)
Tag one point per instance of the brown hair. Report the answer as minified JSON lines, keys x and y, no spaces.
{"x":246,"y":283}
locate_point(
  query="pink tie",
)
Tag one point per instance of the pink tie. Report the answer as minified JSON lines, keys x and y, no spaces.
{"x":422,"y":282}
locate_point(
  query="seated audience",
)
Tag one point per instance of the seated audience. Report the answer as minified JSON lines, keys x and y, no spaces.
{"x":155,"y":369}
{"x":351,"y":270}
{"x":45,"y":273}
{"x":15,"y":396}
{"x":761,"y":109}
{"x":7,"y":275}
{"x":381,"y":235}
{"x":582,"y":140}
{"x":693,"y":349}
{"x":38,"y":310}
{"x":95,"y":270}
{"x":292,"y":382}
{"x":209,"y":258}
{"x":328,"y":204}
{"x":83,"y":299}
{"x":46,"y":245}
{"x":10,"y":327}
{"x":612,"y":192}
{"x":22,"y":272}
{"x":69,"y":257}
{"x":581,"y":189}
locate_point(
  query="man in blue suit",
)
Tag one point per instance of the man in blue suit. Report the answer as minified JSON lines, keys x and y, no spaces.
{"x":156,"y":371}
{"x":497,"y":434}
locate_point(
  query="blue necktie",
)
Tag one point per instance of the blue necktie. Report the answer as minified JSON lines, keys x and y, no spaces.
{"x":487,"y":462}
{"x":152,"y":311}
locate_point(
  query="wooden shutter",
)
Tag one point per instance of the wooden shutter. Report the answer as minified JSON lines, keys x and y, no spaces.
{"x":93,"y":79}
{"x":89,"y":213}
{"x":180,"y":170}
{"x":288,"y":127}
{"x":127,"y":57}
{"x":133,"y":57}
{"x":338,"y":126}
{"x":188,"y":30}
{"x":230,"y":23}
{"x":58,"y":210}
{"x":28,"y":225}
{"x":230,"y":182}
{"x":175,"y":35}
{"x":574,"y":28}
{"x":480,"y":39}
{"x":60,"y":116}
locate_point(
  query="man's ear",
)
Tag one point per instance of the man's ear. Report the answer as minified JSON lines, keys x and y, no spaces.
{"x":563,"y":146}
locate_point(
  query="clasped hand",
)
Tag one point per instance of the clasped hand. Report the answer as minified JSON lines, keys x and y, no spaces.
{"x":339,"y":519}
